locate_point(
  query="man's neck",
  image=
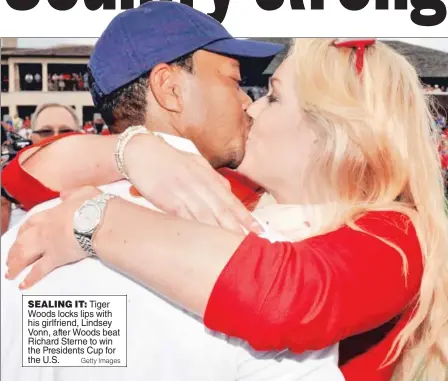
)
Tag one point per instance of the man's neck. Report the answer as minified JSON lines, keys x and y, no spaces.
{"x":164,"y":127}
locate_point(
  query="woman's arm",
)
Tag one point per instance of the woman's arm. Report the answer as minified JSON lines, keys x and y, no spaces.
{"x":73,"y":161}
{"x":39,"y":172}
{"x":304,"y":295}
{"x":178,"y":183}
{"x":180,"y":258}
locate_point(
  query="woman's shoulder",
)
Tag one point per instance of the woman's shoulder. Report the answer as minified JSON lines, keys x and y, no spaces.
{"x":387,"y":221}
{"x":385,"y":228}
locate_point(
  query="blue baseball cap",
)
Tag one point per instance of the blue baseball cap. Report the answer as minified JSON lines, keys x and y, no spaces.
{"x":160,"y":32}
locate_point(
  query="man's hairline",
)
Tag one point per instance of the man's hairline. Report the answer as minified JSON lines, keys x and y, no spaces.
{"x":46,"y":106}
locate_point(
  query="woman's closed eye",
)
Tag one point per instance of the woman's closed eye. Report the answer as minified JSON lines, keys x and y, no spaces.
{"x":272,"y":98}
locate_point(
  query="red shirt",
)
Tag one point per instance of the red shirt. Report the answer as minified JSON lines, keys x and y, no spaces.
{"x":344,"y":286}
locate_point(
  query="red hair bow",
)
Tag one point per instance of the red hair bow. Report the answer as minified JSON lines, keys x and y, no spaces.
{"x":359,"y":44}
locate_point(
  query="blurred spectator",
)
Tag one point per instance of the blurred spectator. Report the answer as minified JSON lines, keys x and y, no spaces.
{"x":444,"y":158}
{"x":4,"y":134}
{"x":98,"y":123}
{"x":105,"y":130}
{"x":86,"y":81}
{"x":80,"y":82}
{"x":88,"y":127}
{"x":17,"y":122}
{"x":444,"y":154}
{"x":441,"y":121}
{"x":61,"y":83}
{"x":12,"y":143}
{"x":26,"y":132}
{"x":27,"y":122}
{"x":53,"y":119}
{"x":9,"y":122}
{"x":55,"y":80}
{"x":29,"y":78}
{"x":7,"y":125}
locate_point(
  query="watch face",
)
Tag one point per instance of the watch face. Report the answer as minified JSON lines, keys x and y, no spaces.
{"x":87,"y":218}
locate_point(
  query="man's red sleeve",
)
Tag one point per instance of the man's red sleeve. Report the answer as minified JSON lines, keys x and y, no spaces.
{"x":311,"y":294}
{"x":22,"y":186}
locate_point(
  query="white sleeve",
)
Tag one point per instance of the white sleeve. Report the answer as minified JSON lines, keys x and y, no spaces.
{"x":287,"y":366}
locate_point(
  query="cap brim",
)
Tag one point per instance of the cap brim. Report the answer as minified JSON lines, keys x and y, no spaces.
{"x":244,"y":48}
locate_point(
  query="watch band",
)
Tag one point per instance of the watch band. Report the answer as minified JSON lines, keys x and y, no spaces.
{"x":86,"y":240}
{"x":86,"y":244}
{"x":103,"y":198}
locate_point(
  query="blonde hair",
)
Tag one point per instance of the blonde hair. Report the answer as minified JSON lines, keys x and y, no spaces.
{"x":379,"y":152}
{"x":49,"y":105}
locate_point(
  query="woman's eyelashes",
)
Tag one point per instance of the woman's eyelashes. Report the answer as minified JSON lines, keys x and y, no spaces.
{"x":271,"y":98}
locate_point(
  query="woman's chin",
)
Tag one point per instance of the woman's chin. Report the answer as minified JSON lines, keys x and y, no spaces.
{"x":245,"y":167}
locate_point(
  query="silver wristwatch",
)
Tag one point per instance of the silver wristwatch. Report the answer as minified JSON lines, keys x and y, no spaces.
{"x":88,"y":218}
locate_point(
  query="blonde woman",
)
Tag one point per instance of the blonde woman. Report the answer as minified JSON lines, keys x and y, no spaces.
{"x":346,"y":130}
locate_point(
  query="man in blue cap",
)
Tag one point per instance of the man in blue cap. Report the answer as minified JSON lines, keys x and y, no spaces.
{"x":175,"y":70}
{"x":166,"y":65}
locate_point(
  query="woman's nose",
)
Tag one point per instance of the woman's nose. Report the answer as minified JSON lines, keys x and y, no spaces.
{"x":254,"y":109}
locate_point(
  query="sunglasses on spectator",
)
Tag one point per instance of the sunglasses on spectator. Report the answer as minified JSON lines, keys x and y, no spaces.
{"x":47,"y":132}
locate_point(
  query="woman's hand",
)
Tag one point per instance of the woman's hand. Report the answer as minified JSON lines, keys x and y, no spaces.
{"x":184,"y":185}
{"x":47,"y":241}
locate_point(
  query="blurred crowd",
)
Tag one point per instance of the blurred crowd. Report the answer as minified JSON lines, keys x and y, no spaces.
{"x":436,"y":89}
{"x":56,"y":82}
{"x":68,"y":82}
{"x":441,"y":122}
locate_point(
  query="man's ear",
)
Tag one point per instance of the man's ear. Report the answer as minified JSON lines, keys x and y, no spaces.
{"x":164,"y":81}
